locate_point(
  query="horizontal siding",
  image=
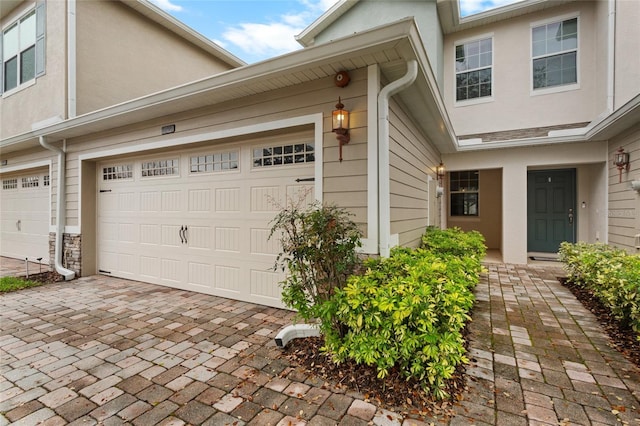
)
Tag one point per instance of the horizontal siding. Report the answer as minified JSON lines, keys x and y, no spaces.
{"x":623,"y":202}
{"x":412,"y":160}
{"x":345,"y":183}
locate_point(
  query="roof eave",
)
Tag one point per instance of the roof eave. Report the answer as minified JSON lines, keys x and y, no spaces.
{"x":307,"y":37}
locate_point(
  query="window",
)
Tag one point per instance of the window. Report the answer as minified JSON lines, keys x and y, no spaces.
{"x":464,"y":190}
{"x":474,"y":69}
{"x":124,"y":171}
{"x":214,"y":162}
{"x":10,"y":184}
{"x":554,"y":52}
{"x":30,"y":182}
{"x":160,"y":168}
{"x":46,"y":181}
{"x":283,"y":154}
{"x":23,"y":49}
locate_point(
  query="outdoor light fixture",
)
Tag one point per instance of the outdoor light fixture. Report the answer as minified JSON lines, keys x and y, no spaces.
{"x":440,"y":172}
{"x":621,"y":161}
{"x":340,"y":118}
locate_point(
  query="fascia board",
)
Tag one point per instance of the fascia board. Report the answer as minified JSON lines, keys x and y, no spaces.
{"x":306,"y":37}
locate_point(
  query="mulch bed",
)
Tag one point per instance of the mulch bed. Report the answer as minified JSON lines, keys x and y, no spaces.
{"x":394,"y":393}
{"x":46,"y":277}
{"x":623,"y":339}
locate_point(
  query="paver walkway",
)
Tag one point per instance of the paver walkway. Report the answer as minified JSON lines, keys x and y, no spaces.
{"x":100,"y":350}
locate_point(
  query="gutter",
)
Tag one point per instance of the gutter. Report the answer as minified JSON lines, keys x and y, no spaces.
{"x":384,"y":203}
{"x":60,"y":214}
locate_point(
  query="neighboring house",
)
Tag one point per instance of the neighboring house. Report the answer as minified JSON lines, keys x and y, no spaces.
{"x":64,"y":59}
{"x":179,"y":187}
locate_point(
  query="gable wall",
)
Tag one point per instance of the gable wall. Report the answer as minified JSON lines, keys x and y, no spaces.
{"x":122,"y":55}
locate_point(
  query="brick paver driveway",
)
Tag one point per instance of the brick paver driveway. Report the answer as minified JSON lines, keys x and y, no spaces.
{"x":100,"y":350}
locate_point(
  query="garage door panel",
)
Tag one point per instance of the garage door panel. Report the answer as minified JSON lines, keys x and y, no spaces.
{"x":266,"y":198}
{"x":171,"y":270}
{"x":170,"y":236}
{"x":228,"y":278}
{"x":199,"y":237}
{"x":150,"y":267}
{"x":227,"y":239}
{"x":199,"y":201}
{"x":227,"y":200}
{"x":171,"y":201}
{"x":261,"y":244}
{"x":150,"y":201}
{"x":265,"y":284}
{"x":150,"y":234}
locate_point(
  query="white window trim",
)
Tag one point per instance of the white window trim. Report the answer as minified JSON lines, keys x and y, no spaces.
{"x":172,"y":176}
{"x":31,"y":82}
{"x":219,"y":151}
{"x":484,"y":99}
{"x":559,"y":88}
{"x":288,"y":166}
{"x":450,"y":193}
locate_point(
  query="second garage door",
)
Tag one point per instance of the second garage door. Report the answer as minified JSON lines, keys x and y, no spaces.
{"x":200,"y":220}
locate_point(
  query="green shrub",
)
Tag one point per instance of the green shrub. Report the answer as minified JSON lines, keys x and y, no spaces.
{"x":407,"y":311}
{"x":454,"y":241}
{"x":611,"y":274}
{"x":318,"y":250}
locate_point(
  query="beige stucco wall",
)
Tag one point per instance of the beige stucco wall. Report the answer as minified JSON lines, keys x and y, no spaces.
{"x":515,"y":163}
{"x":489,"y":219}
{"x":44,"y":98}
{"x":627,"y":76}
{"x":412,"y":161}
{"x":122,"y":55}
{"x":624,"y":203}
{"x":512,"y":92}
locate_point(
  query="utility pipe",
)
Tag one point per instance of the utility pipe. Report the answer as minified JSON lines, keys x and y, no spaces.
{"x":384,"y":203}
{"x":611,"y":56}
{"x":60,"y":213}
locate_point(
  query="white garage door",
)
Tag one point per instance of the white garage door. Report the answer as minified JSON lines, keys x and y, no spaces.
{"x":200,"y":220}
{"x":24,"y":216}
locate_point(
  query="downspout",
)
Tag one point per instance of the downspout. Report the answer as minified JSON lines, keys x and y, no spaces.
{"x":384,"y":203}
{"x":71,"y":58}
{"x":60,"y":213}
{"x":611,"y":56}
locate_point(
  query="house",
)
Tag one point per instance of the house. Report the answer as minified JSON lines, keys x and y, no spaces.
{"x":178,"y":187}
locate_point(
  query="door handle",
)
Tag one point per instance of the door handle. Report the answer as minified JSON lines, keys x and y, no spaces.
{"x":186,"y":229}
{"x":570,"y":216}
{"x":181,"y":234}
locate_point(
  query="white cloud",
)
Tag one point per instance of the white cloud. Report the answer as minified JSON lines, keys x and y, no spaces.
{"x":263,"y":40}
{"x":469,"y":7}
{"x":167,"y":6}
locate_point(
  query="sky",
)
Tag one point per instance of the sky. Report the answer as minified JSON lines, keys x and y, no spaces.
{"x":254,"y":30}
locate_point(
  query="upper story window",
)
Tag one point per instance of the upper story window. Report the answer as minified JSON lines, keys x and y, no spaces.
{"x":554,"y":51}
{"x":464,"y":188}
{"x":474,"y":69}
{"x":23,"y":49}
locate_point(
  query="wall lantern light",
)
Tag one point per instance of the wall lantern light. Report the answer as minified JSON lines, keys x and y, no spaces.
{"x":440,"y":170}
{"x":340,"y":119}
{"x":621,"y":161}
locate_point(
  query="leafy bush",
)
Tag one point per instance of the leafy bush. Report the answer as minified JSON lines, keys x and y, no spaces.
{"x":611,"y":274}
{"x":406,"y":311}
{"x":318,"y":250}
{"x":454,"y":241}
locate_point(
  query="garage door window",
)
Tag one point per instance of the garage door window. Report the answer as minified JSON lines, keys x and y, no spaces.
{"x":160,"y":168}
{"x":214,"y":162}
{"x":46,"y":181}
{"x":124,"y":171}
{"x":30,"y":182}
{"x":283,"y":154}
{"x":10,"y":184}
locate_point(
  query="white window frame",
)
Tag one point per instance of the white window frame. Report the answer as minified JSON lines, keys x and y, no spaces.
{"x":190,"y":158}
{"x":39,"y":9}
{"x":452,"y":193}
{"x":562,"y":87}
{"x":175,"y":165}
{"x":283,"y":164}
{"x":117,"y":179}
{"x":483,"y":99}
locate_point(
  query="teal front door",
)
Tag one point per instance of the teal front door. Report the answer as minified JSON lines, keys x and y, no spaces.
{"x":551,"y":209}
